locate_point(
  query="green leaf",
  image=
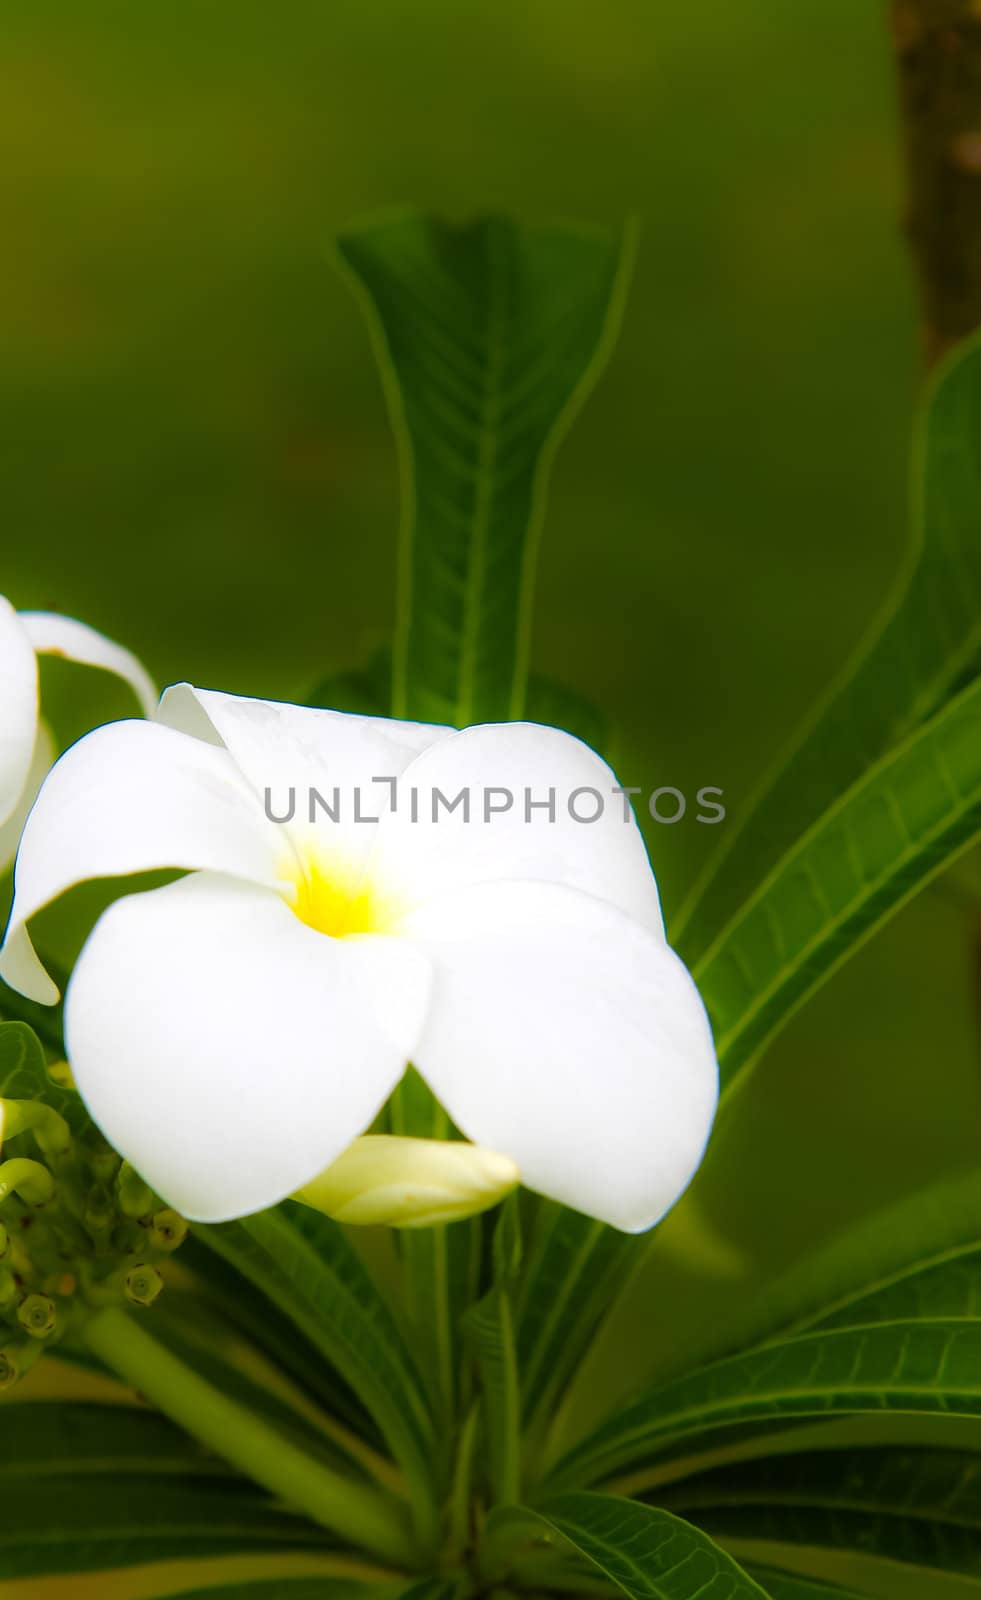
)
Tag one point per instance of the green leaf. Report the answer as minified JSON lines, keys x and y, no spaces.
{"x":70,"y":1523}
{"x":365,"y":691}
{"x":209,"y":1361}
{"x":441,"y":1270}
{"x":915,"y":1257}
{"x":297,"y":1589}
{"x":785,"y":1586}
{"x":24,"y":1075}
{"x":489,"y":336}
{"x":926,"y":645}
{"x":646,"y":1552}
{"x":918,"y":1508}
{"x":244,"y":1308}
{"x":880,"y":842}
{"x":305,"y":1265}
{"x":58,"y":1437}
{"x":927,"y":1367}
{"x":86,"y":1486}
{"x":559,"y":707}
{"x":490,"y":1329}
{"x":574,"y":1264}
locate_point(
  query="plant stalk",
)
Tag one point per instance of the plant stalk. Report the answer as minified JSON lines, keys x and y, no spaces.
{"x":366,"y":1517}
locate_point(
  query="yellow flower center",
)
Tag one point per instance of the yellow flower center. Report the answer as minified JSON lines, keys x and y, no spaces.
{"x":337,"y":902}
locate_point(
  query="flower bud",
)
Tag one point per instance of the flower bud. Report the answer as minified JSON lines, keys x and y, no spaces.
{"x":136,"y":1198}
{"x":168,"y":1230}
{"x":143,"y":1285}
{"x":37,"y":1315}
{"x":410,"y":1183}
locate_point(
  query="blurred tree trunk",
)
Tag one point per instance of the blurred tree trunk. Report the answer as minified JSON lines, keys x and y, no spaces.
{"x":938,"y":47}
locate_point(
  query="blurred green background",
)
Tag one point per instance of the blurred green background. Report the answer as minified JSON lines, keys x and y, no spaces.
{"x":194,"y":453}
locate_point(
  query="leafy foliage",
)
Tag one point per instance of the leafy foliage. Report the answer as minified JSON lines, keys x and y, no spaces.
{"x":423,"y":1384}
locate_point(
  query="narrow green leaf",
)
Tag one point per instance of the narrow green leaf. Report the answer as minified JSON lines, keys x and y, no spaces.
{"x":925,"y":646}
{"x":323,"y":1588}
{"x":928,"y":1367}
{"x":936,"y":1486}
{"x":489,"y":336}
{"x":85,"y":1523}
{"x":918,"y":1509}
{"x":646,"y":1552}
{"x":441,"y":1269}
{"x":573,"y":1265}
{"x":305,"y":1265}
{"x":490,"y":1329}
{"x":871,"y":851}
{"x":248,"y":1311}
{"x":915,"y":1257}
{"x":213,"y":1365}
{"x":365,"y":691}
{"x":43,"y":1438}
{"x":785,"y":1586}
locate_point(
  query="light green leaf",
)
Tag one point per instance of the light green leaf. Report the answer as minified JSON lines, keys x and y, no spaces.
{"x":305,"y":1265}
{"x":872,"y":850}
{"x":646,"y":1552}
{"x":24,"y":1075}
{"x":46,"y":1021}
{"x":926,"y":645}
{"x":489,"y":336}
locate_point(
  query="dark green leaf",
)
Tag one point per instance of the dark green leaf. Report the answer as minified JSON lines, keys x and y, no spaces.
{"x":646,"y":1552}
{"x":930,"y":1367}
{"x":491,"y":1333}
{"x":84,"y":1523}
{"x":247,"y":1310}
{"x":305,"y":1265}
{"x":926,"y":646}
{"x":572,"y":1266}
{"x":872,"y":850}
{"x":45,"y":1437}
{"x":920,"y":1509}
{"x":295,"y":1589}
{"x":489,"y":337}
{"x":785,"y":1586}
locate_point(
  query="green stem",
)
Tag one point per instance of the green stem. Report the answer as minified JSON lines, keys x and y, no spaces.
{"x":362,"y":1515}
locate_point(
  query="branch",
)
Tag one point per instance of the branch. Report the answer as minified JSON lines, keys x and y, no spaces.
{"x":938,"y":47}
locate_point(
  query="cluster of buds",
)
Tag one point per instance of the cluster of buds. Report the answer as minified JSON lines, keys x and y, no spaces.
{"x":79,"y":1230}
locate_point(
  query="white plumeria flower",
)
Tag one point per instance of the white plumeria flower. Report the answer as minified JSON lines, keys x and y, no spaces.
{"x":234,"y":1032}
{"x":26,"y":746}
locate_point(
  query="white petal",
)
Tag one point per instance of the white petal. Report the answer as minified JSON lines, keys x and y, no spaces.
{"x":54,"y":635}
{"x":130,"y":797}
{"x":228,"y":1051}
{"x":572,"y":1040}
{"x":43,"y":755}
{"x":419,"y":858}
{"x":18,"y":707}
{"x":280,"y":747}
